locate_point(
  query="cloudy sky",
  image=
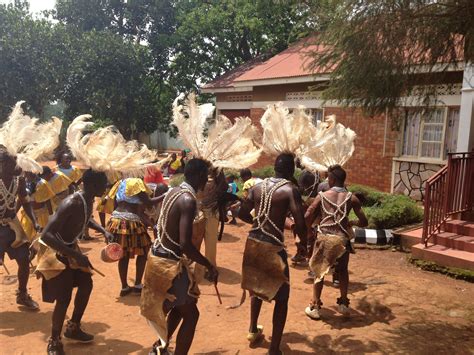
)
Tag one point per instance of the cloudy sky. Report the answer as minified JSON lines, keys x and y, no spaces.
{"x":36,"y":5}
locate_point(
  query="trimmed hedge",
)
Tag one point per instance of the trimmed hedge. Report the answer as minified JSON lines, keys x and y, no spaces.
{"x":386,"y":211}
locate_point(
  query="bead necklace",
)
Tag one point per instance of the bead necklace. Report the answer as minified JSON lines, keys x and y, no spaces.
{"x":168,"y":202}
{"x":263,"y":214}
{"x":8,"y":196}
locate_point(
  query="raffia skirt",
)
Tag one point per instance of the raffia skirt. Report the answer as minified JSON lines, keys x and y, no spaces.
{"x":131,"y":235}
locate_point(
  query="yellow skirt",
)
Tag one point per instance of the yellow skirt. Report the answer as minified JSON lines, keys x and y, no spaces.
{"x":131,"y":235}
{"x":42,"y":217}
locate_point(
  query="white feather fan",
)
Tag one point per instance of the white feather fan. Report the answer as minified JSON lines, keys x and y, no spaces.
{"x":331,"y":144}
{"x":28,"y":140}
{"x":107,"y":150}
{"x":285,"y":132}
{"x":226,"y":145}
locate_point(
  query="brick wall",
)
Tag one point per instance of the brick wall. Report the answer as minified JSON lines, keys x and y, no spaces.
{"x":368,"y":166}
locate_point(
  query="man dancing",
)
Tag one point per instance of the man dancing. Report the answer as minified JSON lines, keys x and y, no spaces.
{"x":63,"y":266}
{"x":333,"y":244}
{"x":170,"y":292}
{"x":13,"y":239}
{"x":265,"y":272}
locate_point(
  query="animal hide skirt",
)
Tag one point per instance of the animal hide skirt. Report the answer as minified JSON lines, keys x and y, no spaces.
{"x":328,"y":248}
{"x":167,"y":283}
{"x":264,"y":268}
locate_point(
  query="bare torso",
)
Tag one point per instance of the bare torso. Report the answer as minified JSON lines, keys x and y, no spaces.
{"x":340,"y":199}
{"x":73,"y":216}
{"x":280,"y":204}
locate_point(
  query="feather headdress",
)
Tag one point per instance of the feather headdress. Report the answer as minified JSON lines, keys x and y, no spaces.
{"x":285,"y":132}
{"x":28,"y":140}
{"x":331,"y":144}
{"x":226,"y":145}
{"x":106,"y":149}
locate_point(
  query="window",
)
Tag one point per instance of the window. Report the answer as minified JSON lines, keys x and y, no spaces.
{"x":430,"y":133}
{"x":452,"y":129}
{"x":317,"y":114}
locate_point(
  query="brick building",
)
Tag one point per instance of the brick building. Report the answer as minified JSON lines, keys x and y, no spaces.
{"x":396,"y":155}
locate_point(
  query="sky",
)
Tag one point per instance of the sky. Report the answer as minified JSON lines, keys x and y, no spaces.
{"x":36,"y":5}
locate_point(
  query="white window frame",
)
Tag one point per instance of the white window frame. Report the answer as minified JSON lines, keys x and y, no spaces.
{"x":419,"y":157}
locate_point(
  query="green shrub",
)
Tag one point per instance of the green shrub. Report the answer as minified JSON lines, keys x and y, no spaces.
{"x":264,"y":172}
{"x":386,"y":211}
{"x":370,"y":195}
{"x":176,"y":180}
{"x":394,"y":211}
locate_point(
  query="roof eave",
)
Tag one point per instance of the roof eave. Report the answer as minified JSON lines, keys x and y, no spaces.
{"x":215,"y":90}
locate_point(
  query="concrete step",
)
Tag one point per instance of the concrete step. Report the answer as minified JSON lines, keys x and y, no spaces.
{"x":454,"y":241}
{"x":444,"y":256}
{"x":460,"y":227}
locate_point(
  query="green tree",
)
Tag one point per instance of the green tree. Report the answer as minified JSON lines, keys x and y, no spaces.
{"x":216,"y":36}
{"x":32,"y":59}
{"x":377,"y":47}
{"x":109,"y":79}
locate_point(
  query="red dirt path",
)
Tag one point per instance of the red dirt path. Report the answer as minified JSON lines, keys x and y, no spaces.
{"x":396,"y":309}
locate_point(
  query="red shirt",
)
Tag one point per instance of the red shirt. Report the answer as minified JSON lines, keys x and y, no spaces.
{"x":153,"y":175}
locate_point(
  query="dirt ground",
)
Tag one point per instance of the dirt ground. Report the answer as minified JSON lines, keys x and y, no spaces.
{"x":396,"y":309}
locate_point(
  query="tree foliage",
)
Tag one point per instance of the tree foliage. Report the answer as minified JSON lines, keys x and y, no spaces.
{"x":31,"y":60}
{"x":125,"y":61}
{"x":377,"y":48}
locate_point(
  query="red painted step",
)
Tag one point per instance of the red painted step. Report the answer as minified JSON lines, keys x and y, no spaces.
{"x":444,"y":256}
{"x":454,"y":241}
{"x":460,"y":227}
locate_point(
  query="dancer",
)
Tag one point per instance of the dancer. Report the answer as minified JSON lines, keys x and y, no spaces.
{"x":265,"y":270}
{"x":63,"y":266}
{"x":59,"y":183}
{"x":60,"y":261}
{"x":128,"y":228}
{"x":40,"y":195}
{"x":22,"y":141}
{"x":331,"y":146}
{"x":333,"y":246}
{"x":73,"y":173}
{"x":226,"y":145}
{"x":170,"y":292}
{"x":13,"y":239}
{"x":209,"y":206}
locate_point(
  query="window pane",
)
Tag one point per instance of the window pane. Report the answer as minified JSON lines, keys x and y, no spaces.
{"x":452,"y":129}
{"x":432,"y":132}
{"x":411,"y":133}
{"x":317,"y":115}
{"x":434,"y":116}
{"x":431,"y":150}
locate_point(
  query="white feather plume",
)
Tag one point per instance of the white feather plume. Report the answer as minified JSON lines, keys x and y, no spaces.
{"x":29,"y":140}
{"x":331,"y":144}
{"x":107,"y":150}
{"x":226,"y":145}
{"x":285,"y":132}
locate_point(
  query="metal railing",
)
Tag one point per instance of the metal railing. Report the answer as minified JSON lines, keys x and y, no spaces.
{"x":449,"y":191}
